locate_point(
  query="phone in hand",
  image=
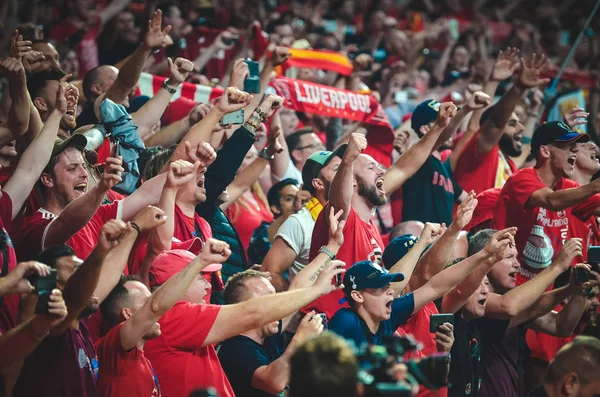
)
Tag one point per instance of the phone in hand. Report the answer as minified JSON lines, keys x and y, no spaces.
{"x":116,"y":149}
{"x":252,"y":82}
{"x":323,"y":319}
{"x":338,"y":279}
{"x":439,"y":319}
{"x":236,"y":117}
{"x":581,"y":275}
{"x":43,"y":287}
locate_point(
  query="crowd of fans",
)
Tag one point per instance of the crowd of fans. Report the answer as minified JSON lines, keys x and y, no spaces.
{"x":251,"y":243}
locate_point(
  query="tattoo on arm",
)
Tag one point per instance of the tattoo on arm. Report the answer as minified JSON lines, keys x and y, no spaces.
{"x":323,"y":266}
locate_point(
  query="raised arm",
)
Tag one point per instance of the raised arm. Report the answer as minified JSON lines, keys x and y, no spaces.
{"x":444,"y":281}
{"x":410,"y":162}
{"x":565,"y":198}
{"x":231,"y":101}
{"x":173,"y":133}
{"x":80,"y":211}
{"x":152,"y":111}
{"x":115,"y":262}
{"x":111,"y":10}
{"x":455,"y":298}
{"x":18,"y":116}
{"x":493,"y":128}
{"x":147,"y":194}
{"x":234,"y":319}
{"x":81,"y":285}
{"x":342,"y":186}
{"x":436,"y":258}
{"x":161,"y":237}
{"x":406,"y":265}
{"x":37,"y":155}
{"x":170,"y":293}
{"x":130,"y":72}
{"x":244,"y":180}
{"x":516,"y":301}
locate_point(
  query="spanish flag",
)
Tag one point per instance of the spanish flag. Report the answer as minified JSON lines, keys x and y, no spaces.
{"x":317,"y":59}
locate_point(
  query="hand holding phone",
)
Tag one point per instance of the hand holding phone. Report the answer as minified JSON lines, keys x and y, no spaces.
{"x":252,"y":82}
{"x":438,"y":319}
{"x":43,"y":286}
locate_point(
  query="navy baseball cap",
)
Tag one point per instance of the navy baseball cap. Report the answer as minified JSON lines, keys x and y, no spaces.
{"x":424,"y":113}
{"x":367,"y":274}
{"x":316,"y":162}
{"x":555,"y":131}
{"x":398,"y":248}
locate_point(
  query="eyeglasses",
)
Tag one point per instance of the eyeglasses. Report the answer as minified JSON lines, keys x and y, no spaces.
{"x":317,"y":146}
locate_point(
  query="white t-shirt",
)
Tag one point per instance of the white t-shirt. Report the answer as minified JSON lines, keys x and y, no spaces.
{"x":297,"y":231}
{"x":291,"y":172}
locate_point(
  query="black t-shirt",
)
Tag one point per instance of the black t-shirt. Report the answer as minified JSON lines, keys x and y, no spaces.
{"x":240,"y":357}
{"x":87,"y":116}
{"x":464,"y":378}
{"x":429,"y":195}
{"x":499,"y":355}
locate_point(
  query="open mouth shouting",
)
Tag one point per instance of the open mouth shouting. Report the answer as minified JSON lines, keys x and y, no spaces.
{"x":80,"y":187}
{"x":379,"y":186}
{"x":571,"y":160}
{"x":482,"y":301}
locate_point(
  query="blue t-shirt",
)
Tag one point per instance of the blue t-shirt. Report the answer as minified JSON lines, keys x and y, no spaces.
{"x":347,"y":324}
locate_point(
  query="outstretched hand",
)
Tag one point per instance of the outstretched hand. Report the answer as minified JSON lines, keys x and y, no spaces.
{"x":155,"y":37}
{"x":336,"y":227}
{"x":576,"y":116}
{"x":532,"y":68}
{"x":507,"y":63}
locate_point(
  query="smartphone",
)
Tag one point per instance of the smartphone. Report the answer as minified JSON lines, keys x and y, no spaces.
{"x":439,"y":319}
{"x":43,"y":288}
{"x":453,"y":28}
{"x":323,"y":318}
{"x":233,"y":118}
{"x":252,"y":82}
{"x":116,"y":149}
{"x":233,"y":40}
{"x":338,"y":279}
{"x":594,"y":257}
{"x":581,"y":275}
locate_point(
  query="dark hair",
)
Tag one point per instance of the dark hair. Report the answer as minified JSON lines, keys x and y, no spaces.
{"x":324,"y":366}
{"x":274,"y":24}
{"x":274,"y":194}
{"x":236,"y":289}
{"x":293,"y":140}
{"x":38,"y":80}
{"x":156,"y":162}
{"x":90,"y":78}
{"x":51,"y":255}
{"x":112,"y":305}
{"x":479,"y":240}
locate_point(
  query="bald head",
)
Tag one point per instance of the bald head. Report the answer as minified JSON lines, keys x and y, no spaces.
{"x":98,"y":80}
{"x":575,"y":368}
{"x":409,"y":227}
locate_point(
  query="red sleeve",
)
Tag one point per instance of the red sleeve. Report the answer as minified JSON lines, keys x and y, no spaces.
{"x":586,"y":208}
{"x":107,"y":212}
{"x":110,"y":349}
{"x":524,"y":184}
{"x":6,"y":211}
{"x":187,"y":325}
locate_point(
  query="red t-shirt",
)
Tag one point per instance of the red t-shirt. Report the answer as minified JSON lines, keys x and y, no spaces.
{"x":86,"y":49}
{"x":362,"y":241}
{"x":32,"y":203}
{"x":123,"y":373}
{"x":246,"y":219}
{"x":418,"y":326}
{"x":9,"y":305}
{"x":30,"y":240}
{"x":588,"y":231}
{"x":481,"y":172}
{"x":181,"y":363}
{"x":541,"y":232}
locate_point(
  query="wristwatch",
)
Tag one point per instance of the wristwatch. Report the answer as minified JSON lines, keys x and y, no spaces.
{"x":169,"y":89}
{"x":264,"y":153}
{"x":327,"y":252}
{"x":449,"y":358}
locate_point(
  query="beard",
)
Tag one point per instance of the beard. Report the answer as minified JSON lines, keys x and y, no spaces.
{"x":370,"y":192}
{"x":507,"y":146}
{"x":327,"y":186}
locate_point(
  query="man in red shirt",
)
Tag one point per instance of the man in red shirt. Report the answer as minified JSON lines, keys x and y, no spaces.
{"x":72,"y":214}
{"x":539,"y":200}
{"x":357,"y":190}
{"x":485,"y":161}
{"x":133,"y":313}
{"x":184,"y":356}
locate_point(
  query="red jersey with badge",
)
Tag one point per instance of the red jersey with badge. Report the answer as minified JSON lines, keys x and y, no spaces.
{"x":123,"y":373}
{"x":362,"y":241}
{"x":541,"y":232}
{"x":181,"y":362}
{"x":9,"y":305}
{"x":31,"y":237}
{"x":481,"y":172}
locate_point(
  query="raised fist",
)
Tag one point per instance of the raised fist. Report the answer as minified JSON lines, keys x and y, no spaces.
{"x":149,"y":218}
{"x":431,"y":232}
{"x":180,"y":173}
{"x":478,"y":100}
{"x":445,"y":114}
{"x":214,"y":251}
{"x":179,"y":70}
{"x":279,"y":56}
{"x":270,"y":104}
{"x":233,"y":100}
{"x":111,"y":234}
{"x":356,"y":144}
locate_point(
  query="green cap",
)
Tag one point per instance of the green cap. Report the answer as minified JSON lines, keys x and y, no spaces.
{"x":316,"y":162}
{"x":77,"y":141}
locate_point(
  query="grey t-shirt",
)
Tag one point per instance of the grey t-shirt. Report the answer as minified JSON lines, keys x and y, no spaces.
{"x":297,"y":231}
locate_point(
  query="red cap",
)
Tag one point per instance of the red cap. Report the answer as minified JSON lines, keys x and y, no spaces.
{"x":177,"y":110}
{"x":169,"y":263}
{"x":486,"y":205}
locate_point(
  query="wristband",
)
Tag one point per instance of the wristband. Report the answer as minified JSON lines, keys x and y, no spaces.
{"x":327,"y":252}
{"x":264,"y":153}
{"x":169,"y":89}
{"x":261,"y":115}
{"x":136,"y":227}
